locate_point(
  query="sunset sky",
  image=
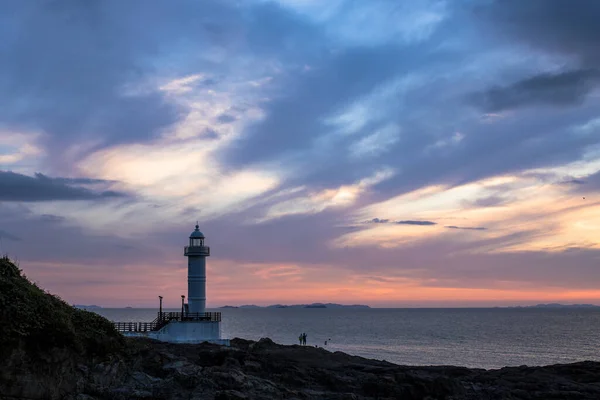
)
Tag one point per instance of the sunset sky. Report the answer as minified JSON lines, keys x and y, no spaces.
{"x":384,"y":152}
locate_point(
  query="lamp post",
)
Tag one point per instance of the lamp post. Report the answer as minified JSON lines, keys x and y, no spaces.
{"x":160,"y":307}
{"x":182,"y":299}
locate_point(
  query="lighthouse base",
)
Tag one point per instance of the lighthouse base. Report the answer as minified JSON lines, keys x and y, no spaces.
{"x":186,"y":332}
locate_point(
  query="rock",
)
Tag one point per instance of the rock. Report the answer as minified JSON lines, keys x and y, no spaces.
{"x":143,"y":380}
{"x":251,"y":364}
{"x":82,"y":396}
{"x":183,"y":367}
{"x":266,"y":370}
{"x":230,"y":395}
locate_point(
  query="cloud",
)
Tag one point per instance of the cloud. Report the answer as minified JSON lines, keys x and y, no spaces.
{"x":422,"y":223}
{"x":567,"y":34}
{"x":50,"y":55}
{"x":226,"y":118}
{"x":585,"y":184}
{"x":378,"y":221}
{"x":574,"y":182}
{"x":52,"y":218}
{"x":18,"y":187}
{"x":315,"y":202}
{"x":9,"y":236}
{"x":491,"y":201}
{"x":74,"y":181}
{"x":284,"y":126}
{"x":479,"y":228}
{"x":210,"y":134}
{"x":59,"y":77}
{"x":407,"y":222}
{"x":568,"y":88}
{"x":552,"y":25}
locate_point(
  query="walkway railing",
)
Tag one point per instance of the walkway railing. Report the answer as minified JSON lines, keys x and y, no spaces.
{"x":164,"y":318}
{"x":134,"y":326}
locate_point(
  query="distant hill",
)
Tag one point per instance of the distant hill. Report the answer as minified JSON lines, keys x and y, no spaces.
{"x":313,"y":305}
{"x":557,"y":305}
{"x":84,"y":307}
{"x":318,"y":305}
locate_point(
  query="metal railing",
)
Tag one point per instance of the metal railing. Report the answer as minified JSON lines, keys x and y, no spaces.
{"x":164,"y":318}
{"x":134,"y":326}
{"x":196,"y":250}
{"x":177,"y":316}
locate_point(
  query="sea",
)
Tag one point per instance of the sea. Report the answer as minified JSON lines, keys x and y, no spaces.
{"x":487,"y":338}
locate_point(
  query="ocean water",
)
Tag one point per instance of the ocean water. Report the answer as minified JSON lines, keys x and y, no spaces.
{"x":479,"y":338}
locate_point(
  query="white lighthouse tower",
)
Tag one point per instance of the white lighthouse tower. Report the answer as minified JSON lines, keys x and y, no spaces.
{"x":193,"y":324}
{"x":196,"y":253}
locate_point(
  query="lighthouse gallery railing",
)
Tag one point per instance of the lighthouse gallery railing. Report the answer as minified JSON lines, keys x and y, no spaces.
{"x":196,"y":250}
{"x":164,"y":318}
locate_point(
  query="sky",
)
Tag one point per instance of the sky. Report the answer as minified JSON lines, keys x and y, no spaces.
{"x":422,"y":153}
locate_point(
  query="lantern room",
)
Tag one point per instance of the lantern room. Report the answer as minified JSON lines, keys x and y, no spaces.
{"x":197,"y":238}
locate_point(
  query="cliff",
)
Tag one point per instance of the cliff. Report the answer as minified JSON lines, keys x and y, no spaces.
{"x":51,"y":350}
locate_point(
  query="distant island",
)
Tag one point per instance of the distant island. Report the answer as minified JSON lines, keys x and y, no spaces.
{"x":557,"y":305}
{"x":84,"y":307}
{"x":313,"y":305}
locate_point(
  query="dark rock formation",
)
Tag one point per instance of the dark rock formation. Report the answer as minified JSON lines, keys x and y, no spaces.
{"x":265,"y":370}
{"x":92,"y":362}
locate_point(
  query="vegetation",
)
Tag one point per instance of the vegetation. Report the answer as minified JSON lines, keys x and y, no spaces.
{"x":37,"y":321}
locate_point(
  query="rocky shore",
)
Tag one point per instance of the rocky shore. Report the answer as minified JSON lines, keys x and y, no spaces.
{"x":50,"y":350}
{"x":265,"y":370}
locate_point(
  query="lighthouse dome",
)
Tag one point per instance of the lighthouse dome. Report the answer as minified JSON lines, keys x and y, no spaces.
{"x":197,"y":233}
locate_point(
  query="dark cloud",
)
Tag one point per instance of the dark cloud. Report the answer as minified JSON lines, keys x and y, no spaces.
{"x":9,"y":236}
{"x":573,"y":182}
{"x":378,"y":221}
{"x":210,"y":134}
{"x":567,"y":29}
{"x":209,"y":82}
{"x":423,"y":223}
{"x":479,"y":228}
{"x":52,"y":218}
{"x":490,"y":201}
{"x":555,"y":26}
{"x":225,"y":118}
{"x":74,"y":181}
{"x":589,"y":183}
{"x":17,"y":187}
{"x":561,"y":89}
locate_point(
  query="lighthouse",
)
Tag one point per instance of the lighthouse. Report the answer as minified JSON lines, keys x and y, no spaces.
{"x":196,"y":252}
{"x":193,"y":324}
